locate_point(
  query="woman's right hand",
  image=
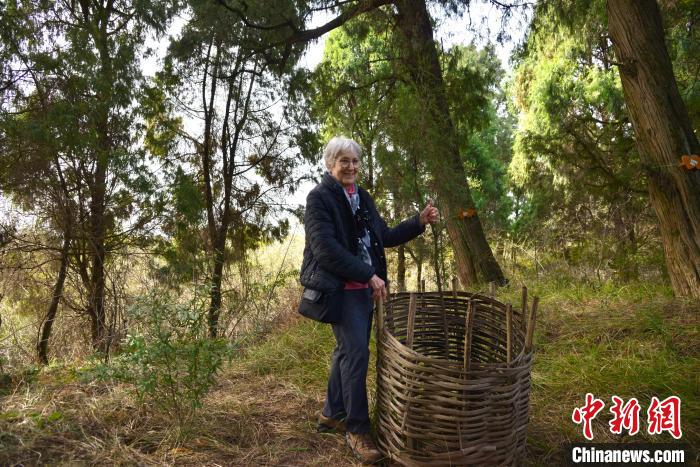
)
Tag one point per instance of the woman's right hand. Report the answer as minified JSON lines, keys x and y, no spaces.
{"x":378,"y":287}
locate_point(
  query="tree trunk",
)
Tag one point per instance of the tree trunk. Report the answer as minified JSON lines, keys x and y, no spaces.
{"x":98,"y":256}
{"x":42,"y":345}
{"x":419,"y":274}
{"x":98,"y":21}
{"x":625,"y":252}
{"x":229,"y":146}
{"x":401,"y":269}
{"x":441,"y":152}
{"x":632,"y":248}
{"x":664,"y":133}
{"x":215,"y":293}
{"x":368,"y":157}
{"x":437,"y":262}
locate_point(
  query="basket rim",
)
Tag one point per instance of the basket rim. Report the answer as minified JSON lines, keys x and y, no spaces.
{"x":518,"y":361}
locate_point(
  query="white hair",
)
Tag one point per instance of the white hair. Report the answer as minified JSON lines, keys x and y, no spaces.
{"x":337,"y":146}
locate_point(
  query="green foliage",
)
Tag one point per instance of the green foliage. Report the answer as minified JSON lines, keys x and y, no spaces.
{"x":42,"y":421}
{"x":484,"y":126}
{"x":577,"y":182}
{"x":167,"y":357}
{"x":71,"y":156}
{"x":683,"y":43}
{"x":226,"y":172}
{"x":362,"y":89}
{"x":183,"y":251}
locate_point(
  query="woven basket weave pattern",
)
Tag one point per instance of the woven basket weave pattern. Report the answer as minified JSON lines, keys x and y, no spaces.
{"x":434,"y":407}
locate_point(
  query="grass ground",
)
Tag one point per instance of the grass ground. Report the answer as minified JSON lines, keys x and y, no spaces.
{"x":630,"y":341}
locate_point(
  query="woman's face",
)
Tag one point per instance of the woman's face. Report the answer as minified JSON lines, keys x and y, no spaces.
{"x":346,"y":167}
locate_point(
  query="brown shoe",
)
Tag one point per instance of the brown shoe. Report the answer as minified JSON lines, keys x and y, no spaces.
{"x":329,"y":425}
{"x":363,"y":447}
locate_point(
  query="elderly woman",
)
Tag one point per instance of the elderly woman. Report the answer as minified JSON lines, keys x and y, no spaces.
{"x":344,"y":268}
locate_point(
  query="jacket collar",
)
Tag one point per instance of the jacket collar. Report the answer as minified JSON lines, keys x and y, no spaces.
{"x":334,"y":186}
{"x":337,"y":189}
{"x":331,"y":183}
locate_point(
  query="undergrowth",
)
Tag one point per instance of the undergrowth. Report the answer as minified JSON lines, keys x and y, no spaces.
{"x":632,"y":340}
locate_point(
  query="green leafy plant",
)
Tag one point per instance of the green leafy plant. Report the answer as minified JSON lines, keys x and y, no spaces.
{"x":168,"y":358}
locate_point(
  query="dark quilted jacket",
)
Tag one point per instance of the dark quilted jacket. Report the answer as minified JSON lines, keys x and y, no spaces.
{"x":330,"y":253}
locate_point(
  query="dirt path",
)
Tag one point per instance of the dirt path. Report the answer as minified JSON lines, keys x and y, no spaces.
{"x":267,"y":421}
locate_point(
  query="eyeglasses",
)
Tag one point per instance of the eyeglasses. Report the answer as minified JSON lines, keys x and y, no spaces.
{"x":345,"y":163}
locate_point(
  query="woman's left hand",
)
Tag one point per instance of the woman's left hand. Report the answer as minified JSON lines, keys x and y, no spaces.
{"x":429,"y":215}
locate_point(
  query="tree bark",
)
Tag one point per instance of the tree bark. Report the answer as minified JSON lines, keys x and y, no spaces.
{"x":97,"y":261}
{"x":215,"y":288}
{"x":42,"y":345}
{"x":98,"y":184}
{"x":419,"y":274}
{"x":401,"y":269}
{"x":625,"y":252}
{"x":472,"y":251}
{"x":664,"y":133}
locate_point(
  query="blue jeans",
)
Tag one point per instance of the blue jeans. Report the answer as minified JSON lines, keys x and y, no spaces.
{"x":347,"y":383}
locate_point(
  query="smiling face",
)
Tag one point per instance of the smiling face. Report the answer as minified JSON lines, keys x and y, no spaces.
{"x":346,"y":167}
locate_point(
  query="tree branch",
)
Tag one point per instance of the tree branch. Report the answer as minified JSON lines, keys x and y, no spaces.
{"x":305,"y":35}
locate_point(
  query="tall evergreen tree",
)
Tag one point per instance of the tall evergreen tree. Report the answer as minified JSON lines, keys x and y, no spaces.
{"x":360,"y":89}
{"x":663,"y":132}
{"x":420,"y":57}
{"x":237,"y":154}
{"x":80,"y":63}
{"x":575,"y":156}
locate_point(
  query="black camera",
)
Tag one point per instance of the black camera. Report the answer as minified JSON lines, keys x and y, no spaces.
{"x":362,"y":222}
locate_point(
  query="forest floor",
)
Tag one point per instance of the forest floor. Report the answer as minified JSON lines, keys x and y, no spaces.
{"x":251,"y":417}
{"x":630,"y":341}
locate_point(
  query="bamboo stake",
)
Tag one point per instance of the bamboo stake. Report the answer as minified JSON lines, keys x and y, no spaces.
{"x":380,"y":318}
{"x":454,"y":287}
{"x":523,"y":320}
{"x":445,"y":331}
{"x":388,"y":298}
{"x":492,"y":289}
{"x":468,"y":320}
{"x":509,"y":333}
{"x":422,"y":300}
{"x":467,"y":354}
{"x":411,"y":320}
{"x":531,"y":324}
{"x":410,"y":442}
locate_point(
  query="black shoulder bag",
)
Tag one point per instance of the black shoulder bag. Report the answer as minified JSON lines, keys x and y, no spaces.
{"x":322,"y":299}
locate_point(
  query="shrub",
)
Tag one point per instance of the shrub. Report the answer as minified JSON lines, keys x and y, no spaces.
{"x":167,"y":357}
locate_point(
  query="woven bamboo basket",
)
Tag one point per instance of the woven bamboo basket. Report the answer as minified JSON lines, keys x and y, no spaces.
{"x":453,"y":379}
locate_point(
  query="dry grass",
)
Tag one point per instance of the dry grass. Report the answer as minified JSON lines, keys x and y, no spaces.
{"x":634,"y":340}
{"x":629,"y":341}
{"x":246,"y":420}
